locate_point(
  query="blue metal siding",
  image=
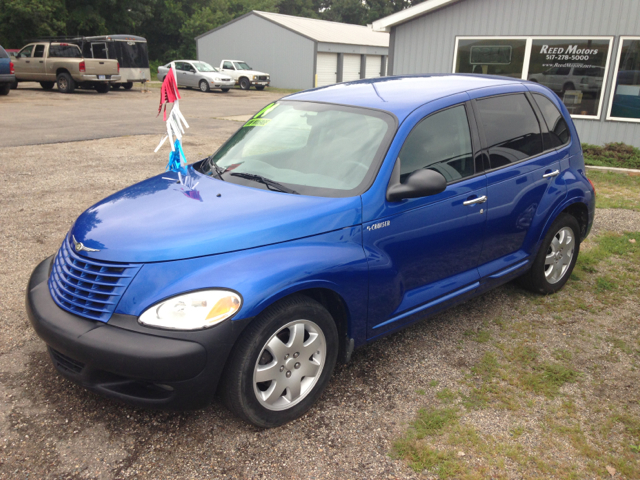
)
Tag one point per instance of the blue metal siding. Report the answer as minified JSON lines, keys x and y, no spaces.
{"x":287,"y":56}
{"x":426,"y":44}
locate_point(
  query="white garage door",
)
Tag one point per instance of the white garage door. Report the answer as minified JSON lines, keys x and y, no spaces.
{"x":351,"y":68}
{"x":327,"y":68}
{"x":374,"y":63}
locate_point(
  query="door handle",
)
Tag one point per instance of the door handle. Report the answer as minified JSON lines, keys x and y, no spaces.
{"x":27,"y":61}
{"x":555,"y":173}
{"x":481,"y":199}
{"x":41,"y":61}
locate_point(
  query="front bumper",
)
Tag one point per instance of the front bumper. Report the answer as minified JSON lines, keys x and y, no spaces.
{"x":95,"y":78}
{"x":127,"y":361}
{"x":261,"y":82}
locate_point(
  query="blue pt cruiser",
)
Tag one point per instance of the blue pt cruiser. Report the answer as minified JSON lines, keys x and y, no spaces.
{"x":333,"y":217}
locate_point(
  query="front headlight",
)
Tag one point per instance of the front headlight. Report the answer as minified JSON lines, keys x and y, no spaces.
{"x":216,"y":79}
{"x":192,"y":311}
{"x":254,"y":77}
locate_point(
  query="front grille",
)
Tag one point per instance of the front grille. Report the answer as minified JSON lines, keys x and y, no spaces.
{"x":262,"y":77}
{"x":86,"y":287}
{"x":66,"y":363}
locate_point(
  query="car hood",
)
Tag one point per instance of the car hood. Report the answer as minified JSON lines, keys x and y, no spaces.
{"x":212,"y":75}
{"x":251,"y":72}
{"x":171,"y":218}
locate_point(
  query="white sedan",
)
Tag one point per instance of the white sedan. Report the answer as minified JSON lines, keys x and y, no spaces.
{"x":196,"y":74}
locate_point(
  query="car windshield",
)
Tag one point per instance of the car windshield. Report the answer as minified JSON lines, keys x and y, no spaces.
{"x":241,"y":66}
{"x":203,"y":67}
{"x":313,"y":149}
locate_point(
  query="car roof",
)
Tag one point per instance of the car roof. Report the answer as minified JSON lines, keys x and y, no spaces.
{"x":402,"y":94}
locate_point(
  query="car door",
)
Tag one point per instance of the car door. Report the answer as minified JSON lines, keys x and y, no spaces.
{"x":180,"y":74}
{"x":22,"y":63}
{"x":228,"y":68}
{"x":37,"y":65}
{"x":191,"y":75}
{"x":521,"y":179}
{"x":424,"y":255}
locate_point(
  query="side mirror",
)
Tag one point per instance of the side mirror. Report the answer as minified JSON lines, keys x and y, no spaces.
{"x":421,"y":183}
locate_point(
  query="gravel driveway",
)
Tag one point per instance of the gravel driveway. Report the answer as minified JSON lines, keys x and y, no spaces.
{"x":50,"y":428}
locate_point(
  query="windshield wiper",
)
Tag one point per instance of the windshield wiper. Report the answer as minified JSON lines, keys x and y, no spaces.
{"x":219,"y":170}
{"x":271,"y":185}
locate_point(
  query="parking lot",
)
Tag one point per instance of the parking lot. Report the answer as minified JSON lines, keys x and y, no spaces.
{"x":59,"y":154}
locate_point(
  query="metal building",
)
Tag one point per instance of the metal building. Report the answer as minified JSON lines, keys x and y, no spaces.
{"x":587,"y":51}
{"x":297,"y":52}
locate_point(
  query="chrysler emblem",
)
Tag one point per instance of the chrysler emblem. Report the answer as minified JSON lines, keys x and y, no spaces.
{"x":79,"y":246}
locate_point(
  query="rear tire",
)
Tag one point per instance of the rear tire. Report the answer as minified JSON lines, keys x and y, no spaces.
{"x":5,"y":88}
{"x":66,"y":84}
{"x":293,"y":346}
{"x":116,"y":86}
{"x":224,"y":90}
{"x":103,"y":88}
{"x":260,"y":87}
{"x":14,"y":85}
{"x":245,"y":84}
{"x":556,"y":258}
{"x":128,"y":86}
{"x":204,"y":86}
{"x":47,"y":85}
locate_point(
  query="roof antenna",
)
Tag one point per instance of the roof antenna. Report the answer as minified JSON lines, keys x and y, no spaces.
{"x":376,"y":90}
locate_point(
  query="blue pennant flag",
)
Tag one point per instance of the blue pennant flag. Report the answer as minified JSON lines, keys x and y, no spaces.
{"x":177,"y":160}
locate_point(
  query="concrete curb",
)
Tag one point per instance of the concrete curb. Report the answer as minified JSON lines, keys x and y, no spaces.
{"x":628,"y":171}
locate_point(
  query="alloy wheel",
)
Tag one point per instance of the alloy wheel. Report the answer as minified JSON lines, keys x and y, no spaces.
{"x":289,"y":365}
{"x":559,"y":255}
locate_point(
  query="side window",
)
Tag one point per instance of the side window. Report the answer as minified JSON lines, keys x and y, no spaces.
{"x":180,"y":66}
{"x":558,"y":130}
{"x":189,"y":68}
{"x":25,"y":52}
{"x":227,"y":65}
{"x":440,"y":142}
{"x":39,"y":52}
{"x":510,"y":127}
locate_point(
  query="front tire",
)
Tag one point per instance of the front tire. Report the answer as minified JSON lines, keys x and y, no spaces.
{"x":224,"y":90}
{"x":47,"y":85}
{"x":245,"y":84}
{"x":556,"y":258}
{"x":66,"y":84}
{"x":116,"y":86}
{"x":260,"y":87}
{"x":5,"y":88}
{"x":282,"y":363}
{"x":204,"y":86}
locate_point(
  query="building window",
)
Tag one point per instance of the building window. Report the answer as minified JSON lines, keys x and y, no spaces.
{"x":573,"y":67}
{"x":491,"y":57}
{"x":625,"y":93}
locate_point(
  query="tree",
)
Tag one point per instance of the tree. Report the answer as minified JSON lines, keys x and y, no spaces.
{"x":21,"y":20}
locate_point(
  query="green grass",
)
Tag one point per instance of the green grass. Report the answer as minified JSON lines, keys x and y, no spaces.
{"x":446,"y":395}
{"x":612,"y":155}
{"x":616,"y":190}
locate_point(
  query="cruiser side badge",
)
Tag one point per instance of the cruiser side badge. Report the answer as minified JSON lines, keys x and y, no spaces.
{"x":79,"y":246}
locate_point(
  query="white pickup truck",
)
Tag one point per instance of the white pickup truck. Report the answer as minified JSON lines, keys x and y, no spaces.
{"x":244,"y":75}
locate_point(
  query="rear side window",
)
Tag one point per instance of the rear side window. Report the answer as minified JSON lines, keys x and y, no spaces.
{"x":39,"y":51}
{"x":558,"y":130}
{"x":3,"y":54}
{"x":440,"y":142}
{"x":64,"y":51}
{"x":511,"y":129}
